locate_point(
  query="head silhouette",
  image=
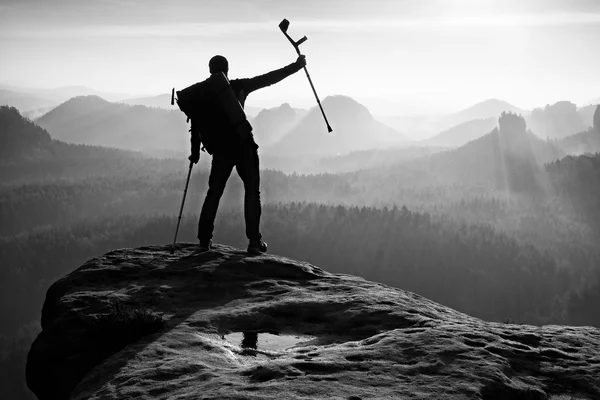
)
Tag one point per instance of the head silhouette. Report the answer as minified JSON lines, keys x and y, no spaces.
{"x":218,"y":64}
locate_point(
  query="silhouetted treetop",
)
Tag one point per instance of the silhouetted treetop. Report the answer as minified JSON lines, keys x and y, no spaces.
{"x":597,"y":119}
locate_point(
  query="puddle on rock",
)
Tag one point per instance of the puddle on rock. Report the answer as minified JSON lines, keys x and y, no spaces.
{"x":267,"y":341}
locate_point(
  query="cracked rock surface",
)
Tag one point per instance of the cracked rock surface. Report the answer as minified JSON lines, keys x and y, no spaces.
{"x":364,"y":340}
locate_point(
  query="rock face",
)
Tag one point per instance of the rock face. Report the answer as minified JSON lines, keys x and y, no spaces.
{"x":358,"y":339}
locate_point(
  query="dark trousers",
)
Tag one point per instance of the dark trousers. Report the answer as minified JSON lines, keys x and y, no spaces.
{"x":246,"y":165}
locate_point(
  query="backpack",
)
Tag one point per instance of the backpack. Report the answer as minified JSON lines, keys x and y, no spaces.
{"x":215,"y":113}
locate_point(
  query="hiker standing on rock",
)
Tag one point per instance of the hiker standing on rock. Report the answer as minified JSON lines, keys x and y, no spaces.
{"x":234,"y":152}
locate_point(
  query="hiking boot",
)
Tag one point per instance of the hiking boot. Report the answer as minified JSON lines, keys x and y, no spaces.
{"x":257,"y":247}
{"x":204,"y":246}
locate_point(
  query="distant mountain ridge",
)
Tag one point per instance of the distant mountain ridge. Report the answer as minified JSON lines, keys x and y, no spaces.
{"x":557,"y":120}
{"x":427,"y":126}
{"x":271,"y":125}
{"x":354,"y":128}
{"x":62,"y":94}
{"x":462,"y":133}
{"x":23,"y":101}
{"x":491,"y":108}
{"x":33,"y":103}
{"x":510,"y":157}
{"x":94,"y":121}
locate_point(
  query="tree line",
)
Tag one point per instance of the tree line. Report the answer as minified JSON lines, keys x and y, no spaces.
{"x":470,"y":267}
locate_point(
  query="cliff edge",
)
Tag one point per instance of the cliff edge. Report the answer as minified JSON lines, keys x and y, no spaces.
{"x":141,"y":323}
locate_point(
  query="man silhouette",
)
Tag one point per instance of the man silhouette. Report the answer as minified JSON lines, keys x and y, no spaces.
{"x":238,"y":153}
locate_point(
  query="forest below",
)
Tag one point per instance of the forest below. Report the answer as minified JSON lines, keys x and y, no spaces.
{"x":504,"y":228}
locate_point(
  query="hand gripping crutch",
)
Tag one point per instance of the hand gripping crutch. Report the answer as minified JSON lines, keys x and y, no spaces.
{"x":284,"y":25}
{"x":187,"y":182}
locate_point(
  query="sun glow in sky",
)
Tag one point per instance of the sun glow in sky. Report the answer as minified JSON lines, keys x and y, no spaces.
{"x":416,"y":54}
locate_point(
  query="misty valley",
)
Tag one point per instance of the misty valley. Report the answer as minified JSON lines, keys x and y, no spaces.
{"x":496,"y":214}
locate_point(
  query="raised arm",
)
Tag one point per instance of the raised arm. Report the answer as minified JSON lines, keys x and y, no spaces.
{"x":270,"y":78}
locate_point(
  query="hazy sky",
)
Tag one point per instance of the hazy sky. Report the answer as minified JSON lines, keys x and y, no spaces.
{"x":444,"y":54}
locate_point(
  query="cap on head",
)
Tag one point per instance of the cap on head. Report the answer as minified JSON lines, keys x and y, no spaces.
{"x":218,"y":64}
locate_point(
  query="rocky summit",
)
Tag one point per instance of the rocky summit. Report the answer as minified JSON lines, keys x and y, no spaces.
{"x":145,"y":324}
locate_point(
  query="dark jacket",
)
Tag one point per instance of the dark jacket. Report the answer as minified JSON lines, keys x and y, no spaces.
{"x":242,"y":88}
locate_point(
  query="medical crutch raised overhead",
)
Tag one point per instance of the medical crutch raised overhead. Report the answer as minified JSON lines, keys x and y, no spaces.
{"x":284,"y":25}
